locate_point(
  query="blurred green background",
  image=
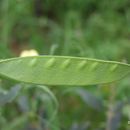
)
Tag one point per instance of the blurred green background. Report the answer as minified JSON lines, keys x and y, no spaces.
{"x":87,"y":28}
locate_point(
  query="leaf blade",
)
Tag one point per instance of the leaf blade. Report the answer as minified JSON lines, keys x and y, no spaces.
{"x":62,"y":70}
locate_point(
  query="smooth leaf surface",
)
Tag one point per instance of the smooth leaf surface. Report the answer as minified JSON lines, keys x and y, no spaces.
{"x":62,"y":70}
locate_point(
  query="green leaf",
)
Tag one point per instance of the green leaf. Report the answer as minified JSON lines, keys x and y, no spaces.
{"x":87,"y":97}
{"x":10,"y":96}
{"x":62,"y":70}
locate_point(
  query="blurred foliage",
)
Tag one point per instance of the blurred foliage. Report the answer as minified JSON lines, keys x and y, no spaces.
{"x":89,"y":28}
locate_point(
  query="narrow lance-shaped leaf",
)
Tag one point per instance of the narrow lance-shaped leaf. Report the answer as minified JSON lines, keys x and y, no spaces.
{"x":62,"y":70}
{"x":10,"y":96}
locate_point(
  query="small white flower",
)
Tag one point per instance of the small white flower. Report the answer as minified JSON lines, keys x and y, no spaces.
{"x":31,"y":52}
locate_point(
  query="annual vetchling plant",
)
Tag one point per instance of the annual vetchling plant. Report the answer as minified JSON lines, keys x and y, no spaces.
{"x":61,"y":70}
{"x":65,"y":88}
